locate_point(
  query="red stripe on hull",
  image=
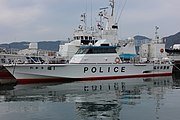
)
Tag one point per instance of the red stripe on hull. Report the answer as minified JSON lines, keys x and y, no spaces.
{"x":66,"y":80}
{"x":128,"y":76}
{"x":6,"y":75}
{"x":44,"y":80}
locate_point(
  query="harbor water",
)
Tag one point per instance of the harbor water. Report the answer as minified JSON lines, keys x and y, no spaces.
{"x":124,"y":99}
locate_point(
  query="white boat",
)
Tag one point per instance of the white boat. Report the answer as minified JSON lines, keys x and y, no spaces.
{"x":154,"y":50}
{"x":96,"y":62}
{"x":22,"y":57}
{"x":89,"y":63}
{"x":174,"y":53}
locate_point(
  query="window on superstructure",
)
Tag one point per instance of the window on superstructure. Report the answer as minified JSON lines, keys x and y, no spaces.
{"x":96,"y":50}
{"x":54,"y":67}
{"x":31,"y":67}
{"x":2,"y":60}
{"x":49,"y":68}
{"x":164,"y":67}
{"x":90,"y":51}
{"x":82,"y":51}
{"x":157,"y":67}
{"x":86,"y":37}
{"x":154,"y":67}
{"x":101,"y":50}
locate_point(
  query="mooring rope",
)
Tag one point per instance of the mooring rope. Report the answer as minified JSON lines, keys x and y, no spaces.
{"x":176,"y":67}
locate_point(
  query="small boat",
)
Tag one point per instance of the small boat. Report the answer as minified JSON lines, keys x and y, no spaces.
{"x":174,"y":55}
{"x":24,"y":56}
{"x":16,"y":59}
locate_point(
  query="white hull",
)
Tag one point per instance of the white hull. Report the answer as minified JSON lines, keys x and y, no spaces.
{"x":43,"y":72}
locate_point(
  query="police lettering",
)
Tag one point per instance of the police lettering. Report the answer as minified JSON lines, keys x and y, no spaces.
{"x":116,"y":69}
{"x":123,"y":69}
{"x":93,"y":69}
{"x":85,"y":69}
{"x":104,"y":69}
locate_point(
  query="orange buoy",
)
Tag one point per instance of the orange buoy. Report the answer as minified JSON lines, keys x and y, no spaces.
{"x":117,"y":60}
{"x":161,"y":50}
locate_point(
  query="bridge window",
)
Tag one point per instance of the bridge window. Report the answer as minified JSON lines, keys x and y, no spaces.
{"x":31,"y":67}
{"x":96,"y":50}
{"x":82,"y":37}
{"x":164,"y":67}
{"x":86,"y":37}
{"x":154,"y":67}
{"x":51,"y":68}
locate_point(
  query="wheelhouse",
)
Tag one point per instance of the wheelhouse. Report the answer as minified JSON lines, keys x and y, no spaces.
{"x":86,"y":40}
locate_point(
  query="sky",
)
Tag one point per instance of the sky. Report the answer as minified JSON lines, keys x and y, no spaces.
{"x":39,"y":20}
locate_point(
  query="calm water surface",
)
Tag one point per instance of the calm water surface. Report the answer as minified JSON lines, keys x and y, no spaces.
{"x":124,"y":99}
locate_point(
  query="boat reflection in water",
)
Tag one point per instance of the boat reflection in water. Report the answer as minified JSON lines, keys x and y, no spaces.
{"x":113,"y":99}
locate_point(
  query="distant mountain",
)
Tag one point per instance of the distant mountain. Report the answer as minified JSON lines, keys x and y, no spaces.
{"x":15,"y":45}
{"x":139,"y":40}
{"x":54,"y":45}
{"x":139,"y":37}
{"x":43,"y":45}
{"x":49,"y":45}
{"x":173,"y":39}
{"x":170,"y":40}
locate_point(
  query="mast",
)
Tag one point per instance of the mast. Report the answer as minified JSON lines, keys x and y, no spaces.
{"x":83,"y":19}
{"x":156,"y":32}
{"x":112,"y":6}
{"x":157,"y":38}
{"x":107,"y":26}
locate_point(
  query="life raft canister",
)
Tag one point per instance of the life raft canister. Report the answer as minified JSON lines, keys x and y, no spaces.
{"x":161,"y":50}
{"x":117,"y":60}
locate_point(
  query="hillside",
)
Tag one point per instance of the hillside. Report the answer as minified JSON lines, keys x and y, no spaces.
{"x":172,"y":39}
{"x":43,"y":45}
{"x":139,"y":37}
{"x":54,"y":45}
